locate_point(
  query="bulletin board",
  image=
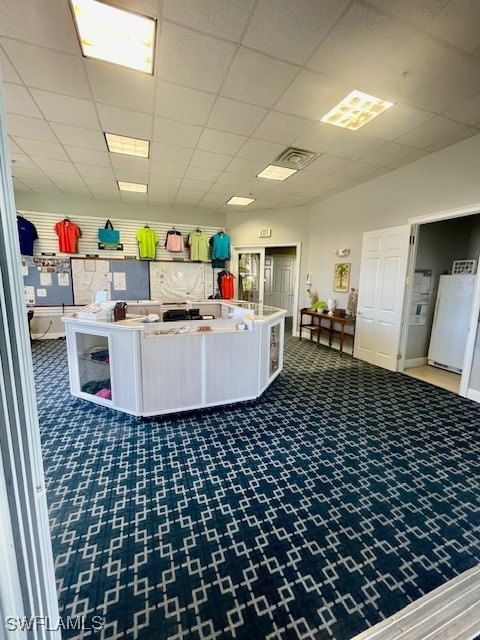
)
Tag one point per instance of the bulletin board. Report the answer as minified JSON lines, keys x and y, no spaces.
{"x":47,"y":281}
{"x":180,"y":281}
{"x":122,"y":279}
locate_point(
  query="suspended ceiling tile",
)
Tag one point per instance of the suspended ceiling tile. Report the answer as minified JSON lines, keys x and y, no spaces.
{"x":360,"y":170}
{"x":47,"y":23}
{"x":164,"y":192}
{"x":124,"y":122}
{"x":389,"y":154}
{"x":260,"y":151}
{"x":196,"y":185}
{"x":47,"y":69}
{"x":18,"y":100}
{"x":65,"y":179}
{"x":165,"y":181}
{"x":431,"y":133}
{"x":208,"y":160}
{"x":327,"y":164}
{"x":99,"y":183}
{"x":129,"y":163}
{"x":198,"y":173}
{"x":191,"y":194}
{"x":22,"y":160}
{"x":235,"y":117}
{"x":131,"y":176}
{"x":168,"y":169}
{"x":311,"y":95}
{"x":90,"y":170}
{"x":291,"y":30}
{"x":170,"y":153}
{"x":8,"y":70}
{"x":326,"y":138}
{"x":42,"y":149}
{"x":467,"y":112}
{"x":176,"y":133}
{"x":257,"y":78}
{"x":88,"y":156}
{"x":417,"y":13}
{"x":281,"y":128}
{"x":458,"y":24}
{"x":396,"y":121}
{"x":245,"y":167}
{"x":182,"y":103}
{"x":223,"y":18}
{"x":234,"y":179}
{"x":121,"y":87}
{"x":220,"y":142}
{"x":66,"y":109}
{"x":453,"y":139}
{"x":26,"y":127}
{"x":79,"y":136}
{"x":55,"y":166}
{"x":192,"y":59}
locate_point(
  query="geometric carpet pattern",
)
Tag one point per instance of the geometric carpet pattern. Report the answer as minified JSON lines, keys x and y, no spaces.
{"x":340,"y":496}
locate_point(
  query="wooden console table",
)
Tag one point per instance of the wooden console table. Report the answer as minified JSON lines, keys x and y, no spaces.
{"x":332,"y":326}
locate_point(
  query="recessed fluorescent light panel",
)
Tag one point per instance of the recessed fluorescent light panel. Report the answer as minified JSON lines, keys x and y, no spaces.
{"x":127,"y":146}
{"x":356,"y":110}
{"x":112,"y":34}
{"x":274,"y":172}
{"x":240,"y":201}
{"x":132,"y":186}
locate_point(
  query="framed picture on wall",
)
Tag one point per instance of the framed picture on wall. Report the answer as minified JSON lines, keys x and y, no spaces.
{"x":341,"y":277}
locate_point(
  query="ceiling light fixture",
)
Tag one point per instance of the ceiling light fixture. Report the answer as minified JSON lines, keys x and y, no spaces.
{"x":275,"y":172}
{"x":127,"y":146}
{"x":356,"y":110}
{"x":114,"y":35}
{"x":132,"y":186}
{"x":240,"y":201}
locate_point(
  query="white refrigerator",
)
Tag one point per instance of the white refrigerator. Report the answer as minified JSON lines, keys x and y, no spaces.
{"x":450,"y":322}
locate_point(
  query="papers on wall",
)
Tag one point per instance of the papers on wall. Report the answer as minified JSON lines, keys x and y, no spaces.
{"x":119,"y":281}
{"x":29,"y":295}
{"x":422,"y":290}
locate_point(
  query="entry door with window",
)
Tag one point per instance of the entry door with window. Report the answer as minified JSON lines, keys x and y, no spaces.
{"x":383,"y":272}
{"x":250,"y":269}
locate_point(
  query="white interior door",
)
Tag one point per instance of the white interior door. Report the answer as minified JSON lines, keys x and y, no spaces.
{"x":279,"y":281}
{"x":380,"y":296}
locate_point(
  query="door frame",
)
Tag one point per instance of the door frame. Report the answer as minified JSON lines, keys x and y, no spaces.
{"x":448,"y":214}
{"x":261,"y":248}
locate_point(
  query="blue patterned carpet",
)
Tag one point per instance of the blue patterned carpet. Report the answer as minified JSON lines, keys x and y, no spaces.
{"x":343,"y":494}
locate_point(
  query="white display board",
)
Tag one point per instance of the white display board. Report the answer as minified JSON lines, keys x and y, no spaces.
{"x":180,"y":281}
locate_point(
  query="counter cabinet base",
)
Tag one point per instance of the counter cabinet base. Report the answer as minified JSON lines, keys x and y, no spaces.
{"x":153,"y":375}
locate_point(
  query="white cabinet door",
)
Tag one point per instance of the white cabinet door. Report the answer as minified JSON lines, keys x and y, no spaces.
{"x":380,"y":297}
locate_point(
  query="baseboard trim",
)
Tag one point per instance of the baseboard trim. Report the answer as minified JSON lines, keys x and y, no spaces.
{"x":415,"y":362}
{"x":473,"y":395}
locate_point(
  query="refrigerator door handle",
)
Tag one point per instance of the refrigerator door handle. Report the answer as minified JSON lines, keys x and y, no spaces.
{"x":437,"y":304}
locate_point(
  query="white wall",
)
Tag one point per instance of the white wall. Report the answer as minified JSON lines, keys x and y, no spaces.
{"x":444,"y":180}
{"x":136,"y":210}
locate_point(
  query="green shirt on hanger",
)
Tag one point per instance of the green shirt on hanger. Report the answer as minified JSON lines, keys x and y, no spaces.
{"x":147,"y":242}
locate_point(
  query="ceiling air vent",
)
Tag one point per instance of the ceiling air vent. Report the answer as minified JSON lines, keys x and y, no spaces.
{"x":294,"y":158}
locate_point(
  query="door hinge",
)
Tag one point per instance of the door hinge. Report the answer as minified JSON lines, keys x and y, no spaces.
{"x":399,"y":356}
{"x":412,"y":239}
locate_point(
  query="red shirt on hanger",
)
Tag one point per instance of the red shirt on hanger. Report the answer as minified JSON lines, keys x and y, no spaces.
{"x":68,"y":234}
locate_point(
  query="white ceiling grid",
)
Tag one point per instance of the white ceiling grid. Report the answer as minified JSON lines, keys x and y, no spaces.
{"x":235,"y":83}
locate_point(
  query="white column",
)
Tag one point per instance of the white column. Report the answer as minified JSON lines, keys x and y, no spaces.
{"x":27,"y":581}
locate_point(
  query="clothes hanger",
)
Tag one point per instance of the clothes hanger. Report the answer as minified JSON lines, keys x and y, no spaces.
{"x":146,"y":226}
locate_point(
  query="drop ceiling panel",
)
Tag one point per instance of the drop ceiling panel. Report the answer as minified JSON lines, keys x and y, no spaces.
{"x":129,"y":163}
{"x":245,"y":167}
{"x":199,"y":173}
{"x":176,"y":133}
{"x":8,"y":70}
{"x":467,"y":112}
{"x":389,"y":155}
{"x":92,"y":171}
{"x":398,"y":120}
{"x":90,"y":156}
{"x":47,"y":69}
{"x":359,"y":170}
{"x":458,"y":24}
{"x":124,"y":122}
{"x":413,"y":11}
{"x":182,"y":103}
{"x":121,"y":87}
{"x":236,"y":117}
{"x":18,"y":100}
{"x":432,"y":132}
{"x":47,"y":23}
{"x":208,"y":160}
{"x":79,"y":136}
{"x":260,"y":150}
{"x":22,"y":160}
{"x":257,"y":78}
{"x":223,"y":18}
{"x":42,"y":149}
{"x":281,"y":128}
{"x":55,"y":166}
{"x":66,"y":109}
{"x":169,"y":170}
{"x":291,"y":30}
{"x":26,"y":127}
{"x":193,"y":59}
{"x":196,"y":185}
{"x":328,"y":164}
{"x":170,"y":153}
{"x":220,"y":142}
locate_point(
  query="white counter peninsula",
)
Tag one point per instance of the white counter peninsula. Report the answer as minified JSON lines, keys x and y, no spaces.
{"x":219,"y":353}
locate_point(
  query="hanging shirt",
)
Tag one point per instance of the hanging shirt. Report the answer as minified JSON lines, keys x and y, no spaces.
{"x":68,"y":234}
{"x":198,"y":243}
{"x":147,"y":243}
{"x":226,"y":284}
{"x":220,"y":246}
{"x":174,"y":241}
{"x":27,"y":234}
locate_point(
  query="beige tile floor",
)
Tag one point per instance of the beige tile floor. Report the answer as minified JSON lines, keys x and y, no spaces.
{"x":438,"y":377}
